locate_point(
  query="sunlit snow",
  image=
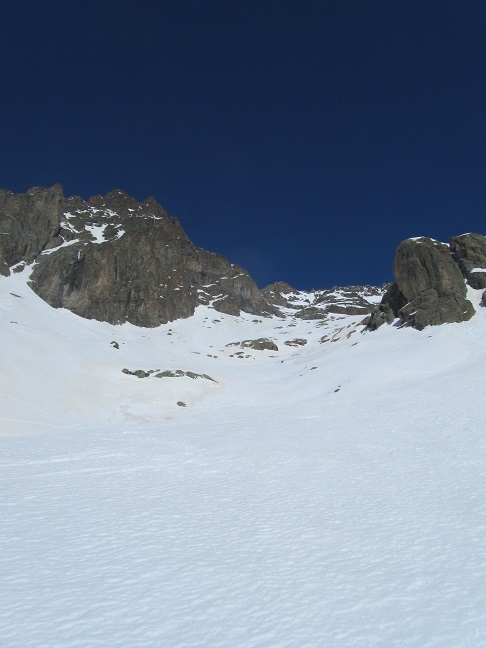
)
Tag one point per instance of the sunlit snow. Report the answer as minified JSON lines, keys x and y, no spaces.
{"x":331,"y":495}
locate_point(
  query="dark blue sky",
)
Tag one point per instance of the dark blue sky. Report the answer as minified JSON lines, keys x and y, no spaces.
{"x":303,"y":139}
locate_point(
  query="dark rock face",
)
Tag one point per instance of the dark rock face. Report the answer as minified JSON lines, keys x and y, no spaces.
{"x":115,"y":259}
{"x":432,"y":284}
{"x":429,"y":288}
{"x":469,"y":250}
{"x":29,"y":224}
{"x":423,"y":264}
{"x":382,"y":314}
{"x":430,"y":309}
{"x":394,"y":298}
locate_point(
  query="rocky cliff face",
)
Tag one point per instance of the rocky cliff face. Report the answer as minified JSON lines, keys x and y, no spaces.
{"x":29,"y":224}
{"x":115,"y":259}
{"x":430,"y":286}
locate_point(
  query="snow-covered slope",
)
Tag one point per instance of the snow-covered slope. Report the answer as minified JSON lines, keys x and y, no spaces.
{"x":328,"y":493}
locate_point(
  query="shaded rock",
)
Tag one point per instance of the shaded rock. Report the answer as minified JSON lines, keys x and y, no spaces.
{"x":29,"y":224}
{"x":115,"y":259}
{"x":394,"y":298}
{"x":178,"y":373}
{"x":381,"y":314}
{"x":227,"y":304}
{"x":311,"y":313}
{"x":429,"y":287}
{"x":260,"y":344}
{"x":181,"y":404}
{"x":483,"y":298}
{"x":387,"y":310}
{"x":477,"y":279}
{"x":429,"y":309}
{"x":422,"y":264}
{"x":469,"y":250}
{"x":169,"y":374}
{"x":279,"y":293}
{"x":139,"y":373}
{"x":296,"y":343}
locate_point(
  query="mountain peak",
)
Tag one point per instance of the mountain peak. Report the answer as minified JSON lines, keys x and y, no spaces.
{"x":117,"y":259}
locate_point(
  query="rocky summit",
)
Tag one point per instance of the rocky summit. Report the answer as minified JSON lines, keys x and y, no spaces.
{"x":115,"y":259}
{"x":118,"y":260}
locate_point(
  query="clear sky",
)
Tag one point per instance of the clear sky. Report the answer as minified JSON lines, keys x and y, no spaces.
{"x":303,"y":139}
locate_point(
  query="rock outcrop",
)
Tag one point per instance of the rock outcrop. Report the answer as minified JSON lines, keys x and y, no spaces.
{"x":29,"y":224}
{"x":381,"y":314}
{"x":469,"y":250}
{"x":118,"y":260}
{"x":168,"y":373}
{"x":429,"y":287}
{"x":260,"y":344}
{"x":115,"y":259}
{"x":297,"y":342}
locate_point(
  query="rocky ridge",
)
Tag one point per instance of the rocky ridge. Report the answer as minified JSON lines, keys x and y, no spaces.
{"x":115,"y":259}
{"x":323,"y":304}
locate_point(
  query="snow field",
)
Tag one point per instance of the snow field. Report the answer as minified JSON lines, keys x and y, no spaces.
{"x":272,"y":511}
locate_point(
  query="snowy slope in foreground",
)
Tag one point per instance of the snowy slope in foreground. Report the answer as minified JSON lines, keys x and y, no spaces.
{"x":331,"y":494}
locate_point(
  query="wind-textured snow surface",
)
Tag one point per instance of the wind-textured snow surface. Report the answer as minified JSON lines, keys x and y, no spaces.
{"x":330,"y":495}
